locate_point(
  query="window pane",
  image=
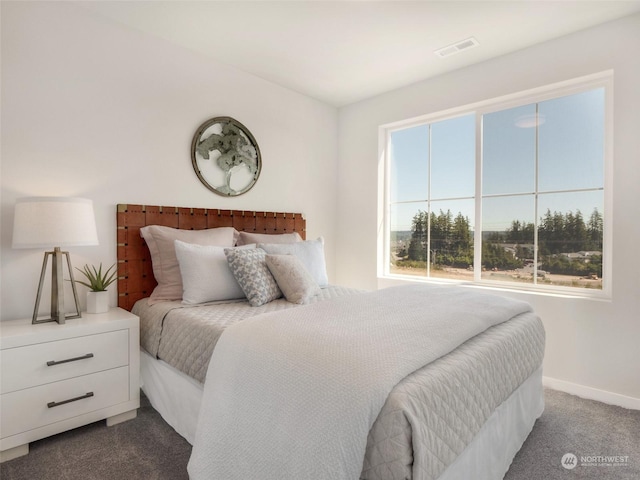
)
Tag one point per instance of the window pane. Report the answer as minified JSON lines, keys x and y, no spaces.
{"x":571,"y":142}
{"x":451,"y":245}
{"x":564,"y":220}
{"x":508,"y":235}
{"x":409,"y":164}
{"x":508,"y":151}
{"x":408,"y":242}
{"x":570,"y":238}
{"x":453,"y":152}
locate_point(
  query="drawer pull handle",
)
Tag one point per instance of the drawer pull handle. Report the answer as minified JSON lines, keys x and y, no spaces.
{"x":57,"y":404}
{"x":51,"y":363}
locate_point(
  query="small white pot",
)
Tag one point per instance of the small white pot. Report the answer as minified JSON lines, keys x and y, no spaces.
{"x":97,"y":302}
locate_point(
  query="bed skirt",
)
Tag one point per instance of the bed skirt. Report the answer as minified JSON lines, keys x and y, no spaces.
{"x":177,"y":398}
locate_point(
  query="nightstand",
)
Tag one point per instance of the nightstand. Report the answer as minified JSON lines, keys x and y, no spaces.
{"x":58,"y":377}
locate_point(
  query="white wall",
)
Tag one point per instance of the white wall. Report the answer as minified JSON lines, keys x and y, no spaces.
{"x":96,"y":110}
{"x":93,"y":109}
{"x":589,"y":343}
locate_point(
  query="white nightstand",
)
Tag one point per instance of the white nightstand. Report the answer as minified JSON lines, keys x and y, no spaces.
{"x":58,"y":377}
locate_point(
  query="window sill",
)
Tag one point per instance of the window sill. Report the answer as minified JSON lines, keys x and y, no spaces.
{"x":538,"y":290}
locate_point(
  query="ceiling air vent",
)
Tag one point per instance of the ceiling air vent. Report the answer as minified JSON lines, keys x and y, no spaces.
{"x":457,"y":47}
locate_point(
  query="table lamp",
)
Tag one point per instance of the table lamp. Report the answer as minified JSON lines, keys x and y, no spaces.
{"x":54,"y":222}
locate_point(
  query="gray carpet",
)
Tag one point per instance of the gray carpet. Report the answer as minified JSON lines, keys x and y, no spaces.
{"x":148,"y":449}
{"x":584,"y":428}
{"x":145,"y":448}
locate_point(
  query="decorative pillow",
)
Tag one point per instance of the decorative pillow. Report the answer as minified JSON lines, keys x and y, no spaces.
{"x":310,"y":253}
{"x":250,"y":270}
{"x":166,"y":269}
{"x":206,"y":276}
{"x":296,"y":283}
{"x":245,"y":238}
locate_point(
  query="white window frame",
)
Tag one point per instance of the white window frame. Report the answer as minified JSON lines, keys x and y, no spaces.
{"x":561,"y":89}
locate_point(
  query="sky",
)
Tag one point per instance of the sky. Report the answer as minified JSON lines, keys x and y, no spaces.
{"x":440,"y":165}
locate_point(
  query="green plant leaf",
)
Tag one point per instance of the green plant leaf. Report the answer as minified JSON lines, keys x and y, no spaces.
{"x":97,"y":280}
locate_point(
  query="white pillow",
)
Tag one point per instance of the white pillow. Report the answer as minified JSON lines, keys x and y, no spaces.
{"x":296,"y":283}
{"x":206,"y":276}
{"x":245,"y":238}
{"x":310,"y":253}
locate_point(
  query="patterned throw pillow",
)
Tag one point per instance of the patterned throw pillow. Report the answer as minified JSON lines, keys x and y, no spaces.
{"x":251,"y":272}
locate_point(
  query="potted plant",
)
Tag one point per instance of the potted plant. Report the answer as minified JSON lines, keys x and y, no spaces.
{"x":97,"y":282}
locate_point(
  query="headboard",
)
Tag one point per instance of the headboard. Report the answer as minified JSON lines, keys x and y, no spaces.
{"x":135,"y":272}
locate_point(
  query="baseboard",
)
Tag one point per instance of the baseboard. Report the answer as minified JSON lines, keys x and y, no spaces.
{"x":592,"y":393}
{"x":14,"y":452}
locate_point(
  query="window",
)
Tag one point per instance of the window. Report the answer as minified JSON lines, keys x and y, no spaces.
{"x":504,"y":193}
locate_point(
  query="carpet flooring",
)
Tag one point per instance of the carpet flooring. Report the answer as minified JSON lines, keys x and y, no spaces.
{"x":146,"y":448}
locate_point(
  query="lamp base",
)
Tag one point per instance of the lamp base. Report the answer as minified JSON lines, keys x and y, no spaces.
{"x":57,"y":289}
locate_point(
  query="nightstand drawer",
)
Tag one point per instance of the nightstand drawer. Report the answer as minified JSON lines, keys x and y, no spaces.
{"x":38,"y":406}
{"x":42,"y":363}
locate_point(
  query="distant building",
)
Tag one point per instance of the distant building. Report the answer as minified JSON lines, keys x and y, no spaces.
{"x":583,"y":256}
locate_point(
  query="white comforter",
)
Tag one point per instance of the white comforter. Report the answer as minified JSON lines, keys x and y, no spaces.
{"x":292,"y":395}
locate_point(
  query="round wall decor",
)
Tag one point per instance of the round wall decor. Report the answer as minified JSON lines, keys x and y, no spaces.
{"x":225,"y":156}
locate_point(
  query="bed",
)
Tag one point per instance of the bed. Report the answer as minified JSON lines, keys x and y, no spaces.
{"x":463,"y":415}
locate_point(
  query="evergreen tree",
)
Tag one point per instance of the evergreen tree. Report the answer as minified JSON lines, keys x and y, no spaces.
{"x":451,"y":239}
{"x":495,"y":256}
{"x":451,"y":242}
{"x":418,"y":244}
{"x":595,"y":228}
{"x":519,"y":232}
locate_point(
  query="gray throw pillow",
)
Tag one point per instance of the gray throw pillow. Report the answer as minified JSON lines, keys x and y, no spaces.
{"x":294,"y":280}
{"x":252,"y":274}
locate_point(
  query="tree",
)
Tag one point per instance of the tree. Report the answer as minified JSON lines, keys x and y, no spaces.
{"x":451,"y":242}
{"x":441,"y":227}
{"x":519,"y":232}
{"x":495,"y":256}
{"x":595,"y":229}
{"x":563,"y":233}
{"x":451,"y":239}
{"x":418,"y":244}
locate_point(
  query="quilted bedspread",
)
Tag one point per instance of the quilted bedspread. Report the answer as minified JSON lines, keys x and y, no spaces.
{"x":185,"y":336}
{"x":432,"y":415}
{"x":296,"y":394}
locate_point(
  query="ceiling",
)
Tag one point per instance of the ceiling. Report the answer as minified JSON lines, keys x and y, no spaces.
{"x":342,"y":52}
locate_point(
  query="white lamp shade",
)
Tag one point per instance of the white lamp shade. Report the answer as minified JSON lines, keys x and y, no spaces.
{"x":46,"y":222}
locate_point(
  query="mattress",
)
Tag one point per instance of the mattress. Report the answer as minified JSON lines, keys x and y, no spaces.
{"x":429,"y":418}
